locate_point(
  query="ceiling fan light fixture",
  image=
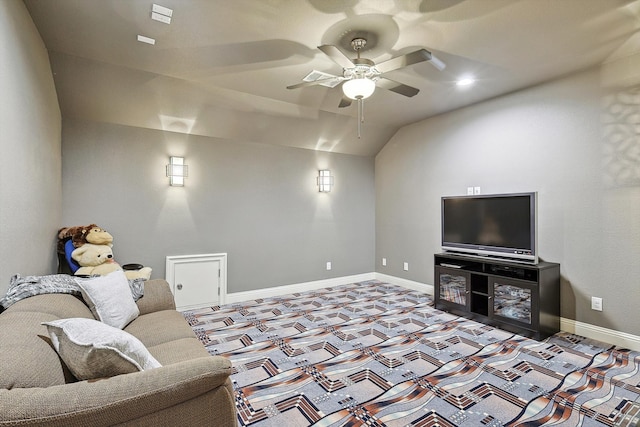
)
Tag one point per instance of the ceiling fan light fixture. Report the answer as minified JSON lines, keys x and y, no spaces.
{"x":358,"y":88}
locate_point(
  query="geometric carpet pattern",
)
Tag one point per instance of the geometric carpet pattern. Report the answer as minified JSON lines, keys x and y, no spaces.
{"x":376,"y":354}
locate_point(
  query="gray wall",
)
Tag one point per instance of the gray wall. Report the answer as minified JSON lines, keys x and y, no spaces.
{"x":30,"y":175}
{"x":573,"y":141}
{"x":257,"y":202}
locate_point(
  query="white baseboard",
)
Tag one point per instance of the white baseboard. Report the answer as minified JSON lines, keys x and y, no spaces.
{"x":405,"y":283}
{"x":232,"y":298}
{"x":620,"y":339}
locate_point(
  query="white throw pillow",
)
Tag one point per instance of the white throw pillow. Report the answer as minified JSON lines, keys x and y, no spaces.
{"x":92,"y":349}
{"x":109,"y":298}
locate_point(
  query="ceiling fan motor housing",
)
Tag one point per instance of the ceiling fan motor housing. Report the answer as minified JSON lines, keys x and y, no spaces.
{"x":362,"y":70}
{"x":358,"y":43}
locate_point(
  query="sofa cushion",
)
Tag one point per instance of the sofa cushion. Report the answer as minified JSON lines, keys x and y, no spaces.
{"x":61,"y":306}
{"x":109,"y":298}
{"x":32,"y":361}
{"x":157,"y":297}
{"x":27,"y":358}
{"x":160,"y":327}
{"x":92,"y":349}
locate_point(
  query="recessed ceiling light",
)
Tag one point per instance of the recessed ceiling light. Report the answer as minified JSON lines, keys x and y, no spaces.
{"x":466,"y":81}
{"x":147,"y":40}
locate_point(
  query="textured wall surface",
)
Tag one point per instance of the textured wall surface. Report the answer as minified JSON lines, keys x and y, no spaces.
{"x":556,"y":139}
{"x":30,"y":175}
{"x":259,"y":203}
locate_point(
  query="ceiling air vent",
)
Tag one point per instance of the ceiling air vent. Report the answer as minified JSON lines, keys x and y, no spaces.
{"x":161,"y":13}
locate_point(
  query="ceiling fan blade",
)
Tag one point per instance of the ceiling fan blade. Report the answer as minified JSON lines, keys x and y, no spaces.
{"x":405,"y":60}
{"x":396,"y":87}
{"x":345,"y":102}
{"x":336,"y":55}
{"x":437,"y":63}
{"x":315,"y":82}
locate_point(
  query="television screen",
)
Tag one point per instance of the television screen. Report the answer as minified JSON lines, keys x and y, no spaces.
{"x":502,"y":225}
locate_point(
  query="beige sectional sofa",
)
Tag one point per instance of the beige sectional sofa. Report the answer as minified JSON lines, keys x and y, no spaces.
{"x":191,"y":387}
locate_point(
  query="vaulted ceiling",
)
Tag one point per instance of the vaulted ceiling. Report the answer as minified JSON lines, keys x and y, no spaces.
{"x":221,"y":68}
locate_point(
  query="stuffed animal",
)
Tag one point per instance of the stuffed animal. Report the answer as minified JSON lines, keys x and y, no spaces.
{"x":98,"y":260}
{"x":94,"y":259}
{"x":98,"y":236}
{"x":82,"y":234}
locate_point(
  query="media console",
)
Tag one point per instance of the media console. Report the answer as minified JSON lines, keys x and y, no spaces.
{"x":517,"y":297}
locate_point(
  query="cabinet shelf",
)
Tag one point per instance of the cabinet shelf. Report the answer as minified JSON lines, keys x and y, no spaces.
{"x":520,"y":298}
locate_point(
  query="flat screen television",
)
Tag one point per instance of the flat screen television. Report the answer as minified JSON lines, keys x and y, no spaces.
{"x":501,"y":225}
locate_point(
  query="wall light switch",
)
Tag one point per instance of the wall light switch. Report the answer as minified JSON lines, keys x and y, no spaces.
{"x":328,"y":265}
{"x":384,"y":261}
{"x":596,"y":303}
{"x":469,"y":191}
{"x":406,"y":266}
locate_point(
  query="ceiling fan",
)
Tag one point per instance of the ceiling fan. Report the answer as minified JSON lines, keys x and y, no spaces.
{"x":361,"y":76}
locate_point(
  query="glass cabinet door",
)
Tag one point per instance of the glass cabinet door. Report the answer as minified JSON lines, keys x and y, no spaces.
{"x":453,"y":286}
{"x":512,"y":300}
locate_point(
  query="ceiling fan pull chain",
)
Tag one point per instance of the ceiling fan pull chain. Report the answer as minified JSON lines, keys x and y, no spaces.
{"x":359,"y":115}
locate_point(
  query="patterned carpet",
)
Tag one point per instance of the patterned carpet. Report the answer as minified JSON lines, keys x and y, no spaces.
{"x":375,"y":354}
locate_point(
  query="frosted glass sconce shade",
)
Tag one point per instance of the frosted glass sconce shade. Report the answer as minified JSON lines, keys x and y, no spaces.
{"x":325,"y":181}
{"x":177,"y":171}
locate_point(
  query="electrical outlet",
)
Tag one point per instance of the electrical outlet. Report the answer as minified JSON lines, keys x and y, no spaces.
{"x":406,"y":266}
{"x":328,"y":265}
{"x":469,"y":191}
{"x":596,"y":303}
{"x":476,"y":190}
{"x":384,"y":262}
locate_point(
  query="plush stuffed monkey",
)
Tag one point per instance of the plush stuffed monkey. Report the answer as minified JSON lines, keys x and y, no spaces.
{"x":82,"y":234}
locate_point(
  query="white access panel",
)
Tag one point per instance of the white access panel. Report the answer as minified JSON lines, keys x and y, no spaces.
{"x":197,"y":280}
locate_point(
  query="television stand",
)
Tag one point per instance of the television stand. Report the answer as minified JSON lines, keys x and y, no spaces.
{"x":517,"y":297}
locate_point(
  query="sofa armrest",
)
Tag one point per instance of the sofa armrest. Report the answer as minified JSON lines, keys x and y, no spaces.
{"x":157,"y":296}
{"x":119,"y":399}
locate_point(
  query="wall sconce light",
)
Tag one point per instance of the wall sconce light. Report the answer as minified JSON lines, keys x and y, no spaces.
{"x":177,"y":171}
{"x":325,"y":181}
